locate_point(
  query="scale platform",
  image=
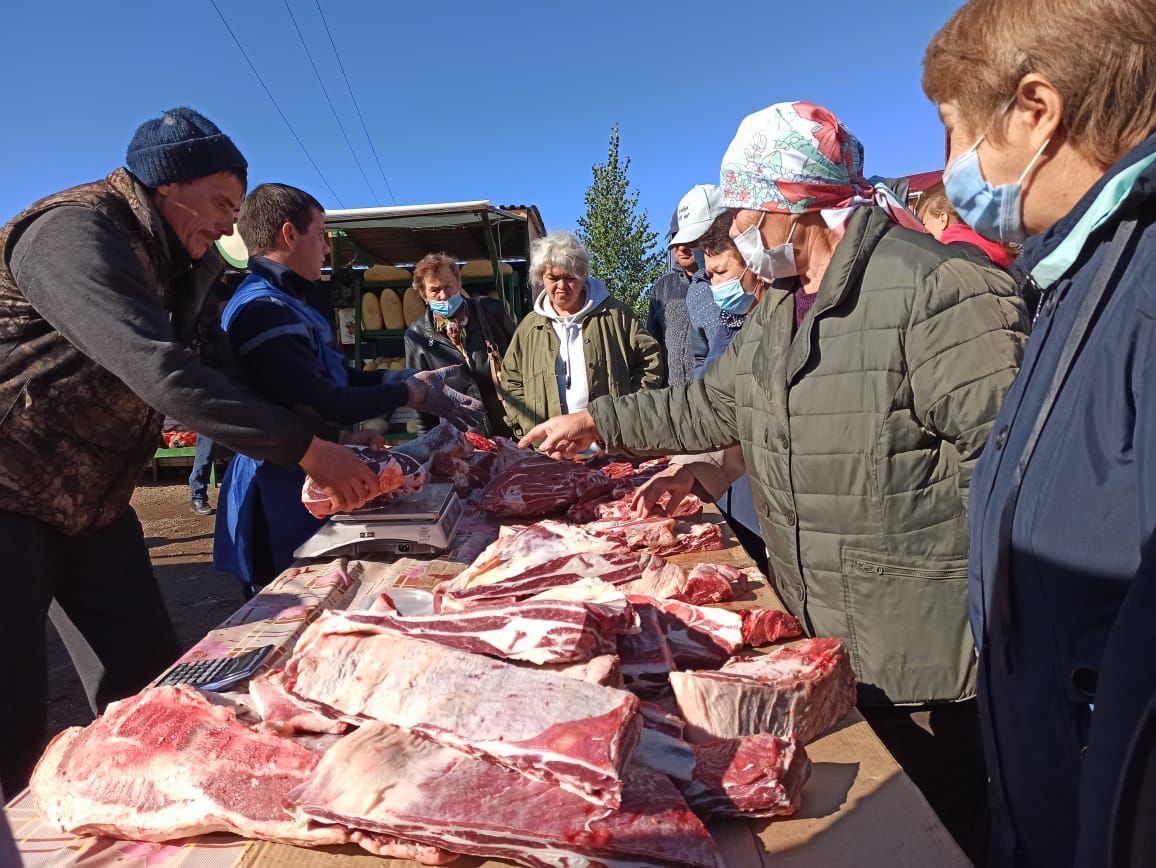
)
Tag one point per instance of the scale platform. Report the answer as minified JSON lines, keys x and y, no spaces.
{"x":420,"y":524}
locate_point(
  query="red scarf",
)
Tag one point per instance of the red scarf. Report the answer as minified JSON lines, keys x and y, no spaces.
{"x":961,"y":233}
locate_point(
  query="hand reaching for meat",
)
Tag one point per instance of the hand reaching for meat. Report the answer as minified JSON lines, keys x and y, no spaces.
{"x":563,"y":436}
{"x":428,"y":393}
{"x":674,"y":480}
{"x":345,"y":478}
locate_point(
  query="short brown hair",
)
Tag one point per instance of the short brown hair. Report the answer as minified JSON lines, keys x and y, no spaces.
{"x":1099,"y":54}
{"x":429,"y":265}
{"x":717,"y":239}
{"x":267,"y":209}
{"x":934,"y":201}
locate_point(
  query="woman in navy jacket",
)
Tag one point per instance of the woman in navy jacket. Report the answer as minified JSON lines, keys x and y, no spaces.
{"x":1050,"y":112}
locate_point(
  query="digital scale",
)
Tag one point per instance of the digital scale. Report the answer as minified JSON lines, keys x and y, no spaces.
{"x":419,"y":524}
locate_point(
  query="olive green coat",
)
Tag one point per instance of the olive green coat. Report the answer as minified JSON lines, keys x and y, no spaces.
{"x":860,"y":434}
{"x":621,"y":358}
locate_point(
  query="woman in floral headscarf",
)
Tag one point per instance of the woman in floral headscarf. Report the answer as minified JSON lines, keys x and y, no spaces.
{"x":862,"y":391}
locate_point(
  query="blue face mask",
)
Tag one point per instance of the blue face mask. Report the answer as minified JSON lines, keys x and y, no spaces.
{"x":448,"y":307}
{"x":731,"y":297}
{"x":996,"y":213}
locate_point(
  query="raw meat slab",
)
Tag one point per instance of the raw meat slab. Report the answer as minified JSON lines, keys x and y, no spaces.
{"x":168,"y":764}
{"x":536,"y":631}
{"x":394,"y":782}
{"x":756,"y":776}
{"x":525,"y":561}
{"x":540,"y":486}
{"x":550,"y":727}
{"x":798,"y":691}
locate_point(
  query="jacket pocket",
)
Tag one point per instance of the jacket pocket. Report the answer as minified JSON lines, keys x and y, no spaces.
{"x":533,"y":405}
{"x":907,"y":627}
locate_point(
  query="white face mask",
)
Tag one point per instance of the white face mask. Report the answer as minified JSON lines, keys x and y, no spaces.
{"x":772,"y":264}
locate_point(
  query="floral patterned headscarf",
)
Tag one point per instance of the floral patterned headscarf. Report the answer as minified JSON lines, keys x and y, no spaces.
{"x":795,"y":158}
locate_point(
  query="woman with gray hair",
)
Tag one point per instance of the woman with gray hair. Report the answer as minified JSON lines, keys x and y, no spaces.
{"x":578,"y":344}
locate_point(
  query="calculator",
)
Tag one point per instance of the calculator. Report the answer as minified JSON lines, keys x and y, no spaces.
{"x":217,"y":673}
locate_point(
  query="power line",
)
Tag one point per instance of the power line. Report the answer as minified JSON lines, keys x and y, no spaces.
{"x":269,"y":94}
{"x":349,"y":87}
{"x":332,"y":107}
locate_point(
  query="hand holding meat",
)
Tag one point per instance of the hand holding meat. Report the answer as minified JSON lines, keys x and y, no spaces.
{"x":563,"y":436}
{"x":674,"y":482}
{"x":341,"y":475}
{"x":393,"y":473}
{"x":428,"y":393}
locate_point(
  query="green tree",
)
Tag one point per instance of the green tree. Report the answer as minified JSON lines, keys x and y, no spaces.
{"x":623,"y":249}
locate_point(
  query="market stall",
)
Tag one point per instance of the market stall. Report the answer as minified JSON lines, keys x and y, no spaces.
{"x":373,"y":250}
{"x":858,"y":807}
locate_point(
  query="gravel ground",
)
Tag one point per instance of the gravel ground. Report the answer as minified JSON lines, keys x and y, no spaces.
{"x":198,"y":597}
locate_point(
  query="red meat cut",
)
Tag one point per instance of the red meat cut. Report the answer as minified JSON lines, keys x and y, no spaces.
{"x":281,"y":713}
{"x":536,"y":630}
{"x":481,"y":443}
{"x":620,"y":509}
{"x":756,"y":776}
{"x":713,"y":583}
{"x":168,"y":764}
{"x":644,"y":656}
{"x":659,"y":536}
{"x":700,"y":637}
{"x":393,"y":782}
{"x":443,"y":439}
{"x":549,"y":727}
{"x":397,"y":474}
{"x":764,"y":626}
{"x":527,"y":561}
{"x":539,"y":486}
{"x":801,"y":690}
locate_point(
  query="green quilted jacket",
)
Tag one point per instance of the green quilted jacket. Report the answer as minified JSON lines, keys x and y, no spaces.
{"x":860,"y":434}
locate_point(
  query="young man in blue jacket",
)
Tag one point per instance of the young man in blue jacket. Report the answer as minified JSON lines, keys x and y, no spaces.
{"x":285,"y":350}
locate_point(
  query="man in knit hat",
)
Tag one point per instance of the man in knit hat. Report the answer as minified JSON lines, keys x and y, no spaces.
{"x":101,"y":290}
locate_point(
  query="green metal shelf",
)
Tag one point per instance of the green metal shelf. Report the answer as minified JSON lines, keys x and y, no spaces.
{"x":379,"y":334}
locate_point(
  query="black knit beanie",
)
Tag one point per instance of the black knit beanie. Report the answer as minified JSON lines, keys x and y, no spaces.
{"x":180,"y":145}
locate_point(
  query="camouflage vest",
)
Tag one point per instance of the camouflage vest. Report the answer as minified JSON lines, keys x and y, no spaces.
{"x":74,"y":439}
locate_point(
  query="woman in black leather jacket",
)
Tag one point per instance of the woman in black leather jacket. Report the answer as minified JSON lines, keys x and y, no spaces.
{"x":455,"y":330}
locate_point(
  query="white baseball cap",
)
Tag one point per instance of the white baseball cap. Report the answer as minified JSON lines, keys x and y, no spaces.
{"x":696,"y":211}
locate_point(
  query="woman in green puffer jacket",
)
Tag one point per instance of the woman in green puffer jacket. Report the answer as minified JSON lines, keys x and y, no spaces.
{"x":862,"y":391}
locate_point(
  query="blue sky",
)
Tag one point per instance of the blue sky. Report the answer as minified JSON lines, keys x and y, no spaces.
{"x":511,"y":102}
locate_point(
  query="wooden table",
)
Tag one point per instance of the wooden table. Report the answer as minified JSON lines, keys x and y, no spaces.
{"x":859,"y":809}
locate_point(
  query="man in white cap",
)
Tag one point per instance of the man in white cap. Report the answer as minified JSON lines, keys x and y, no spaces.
{"x":685,"y":338}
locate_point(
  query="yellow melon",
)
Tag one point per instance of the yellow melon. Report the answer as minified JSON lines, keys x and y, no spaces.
{"x":412,"y":305}
{"x":484,"y":268}
{"x":391,"y":310}
{"x":386,"y":272}
{"x":370,"y":312}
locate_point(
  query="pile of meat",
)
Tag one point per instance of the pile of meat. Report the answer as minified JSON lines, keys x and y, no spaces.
{"x":508,"y":482}
{"x":528,"y":486}
{"x":575,"y":681}
{"x":571,"y":698}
